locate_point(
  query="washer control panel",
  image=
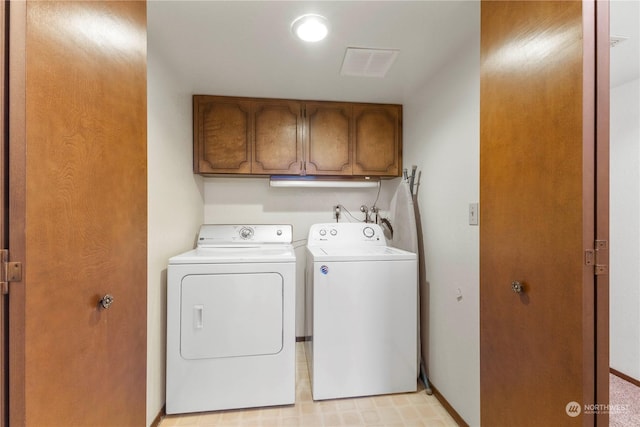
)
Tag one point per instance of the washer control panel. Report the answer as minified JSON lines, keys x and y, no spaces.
{"x":346,"y":233}
{"x":244,"y":234}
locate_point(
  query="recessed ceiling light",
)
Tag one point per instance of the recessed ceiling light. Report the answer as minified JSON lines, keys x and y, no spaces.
{"x":310,"y":27}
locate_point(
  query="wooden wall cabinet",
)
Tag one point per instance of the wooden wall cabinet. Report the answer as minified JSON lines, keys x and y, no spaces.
{"x":257,"y":136}
{"x":328,"y":147}
{"x":377,"y":140}
{"x":222,"y":133}
{"x":276,"y":145}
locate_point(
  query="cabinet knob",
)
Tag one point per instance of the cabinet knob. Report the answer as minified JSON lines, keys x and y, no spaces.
{"x":517,"y":287}
{"x":106,"y":301}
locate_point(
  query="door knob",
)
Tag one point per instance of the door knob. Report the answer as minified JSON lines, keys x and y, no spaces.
{"x":106,"y":301}
{"x":517,"y":287}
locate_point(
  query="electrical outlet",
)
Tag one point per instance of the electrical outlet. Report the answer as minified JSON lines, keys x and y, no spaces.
{"x":473,"y":213}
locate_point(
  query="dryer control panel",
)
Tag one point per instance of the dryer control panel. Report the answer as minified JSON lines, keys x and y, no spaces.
{"x":244,"y":234}
{"x":346,"y":234}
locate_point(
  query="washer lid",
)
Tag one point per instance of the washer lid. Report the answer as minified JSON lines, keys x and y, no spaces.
{"x":358,"y":253}
{"x":236,"y":254}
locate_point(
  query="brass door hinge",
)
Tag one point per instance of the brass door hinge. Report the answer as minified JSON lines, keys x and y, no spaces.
{"x":591,"y":257}
{"x":10,"y":271}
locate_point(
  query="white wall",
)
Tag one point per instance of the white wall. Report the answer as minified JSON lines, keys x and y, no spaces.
{"x":442,"y":136}
{"x":252,"y":201}
{"x":175,"y":207}
{"x":624,"y":311}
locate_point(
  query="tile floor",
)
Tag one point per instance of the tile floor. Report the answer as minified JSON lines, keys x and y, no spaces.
{"x":408,"y":409}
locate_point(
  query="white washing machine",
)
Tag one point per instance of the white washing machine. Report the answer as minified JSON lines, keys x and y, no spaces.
{"x":231,"y":320}
{"x":361,"y":324}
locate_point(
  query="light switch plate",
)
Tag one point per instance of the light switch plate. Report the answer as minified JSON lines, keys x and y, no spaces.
{"x":473,"y":213}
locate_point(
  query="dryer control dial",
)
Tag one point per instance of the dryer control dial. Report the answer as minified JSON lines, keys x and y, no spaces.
{"x":368,"y":232}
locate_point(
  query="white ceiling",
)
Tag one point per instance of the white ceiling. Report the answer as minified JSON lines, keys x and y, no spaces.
{"x":245,"y":48}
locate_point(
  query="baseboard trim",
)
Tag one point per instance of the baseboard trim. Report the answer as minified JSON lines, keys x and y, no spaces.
{"x":156,"y":421}
{"x":447,"y":406}
{"x":625,"y":377}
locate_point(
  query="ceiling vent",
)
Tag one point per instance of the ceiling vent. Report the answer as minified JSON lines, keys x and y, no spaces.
{"x":362,"y":62}
{"x":616,"y":40}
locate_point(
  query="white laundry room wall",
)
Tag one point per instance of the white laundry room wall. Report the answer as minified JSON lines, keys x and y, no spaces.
{"x":175,"y":207}
{"x":624,"y":218}
{"x":442,"y":137}
{"x":232,"y":200}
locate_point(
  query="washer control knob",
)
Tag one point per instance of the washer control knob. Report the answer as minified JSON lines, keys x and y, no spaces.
{"x":279,"y":232}
{"x":323,"y":232}
{"x":368,"y":232}
{"x":333,"y":232}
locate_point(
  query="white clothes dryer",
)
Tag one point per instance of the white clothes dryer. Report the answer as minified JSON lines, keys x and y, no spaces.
{"x":231,"y":320}
{"x":361,"y":307}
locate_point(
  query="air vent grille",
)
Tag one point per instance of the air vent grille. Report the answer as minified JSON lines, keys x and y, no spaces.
{"x":363,"y":62}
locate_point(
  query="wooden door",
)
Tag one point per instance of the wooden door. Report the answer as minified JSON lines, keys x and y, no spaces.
{"x":377,"y":140}
{"x":78,"y":213}
{"x":537,"y":189}
{"x":222,"y":134}
{"x":328,"y":138}
{"x":4,"y":217}
{"x":277,"y":144}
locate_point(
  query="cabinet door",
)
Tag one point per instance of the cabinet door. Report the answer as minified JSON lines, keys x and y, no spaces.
{"x":377,"y":140}
{"x":221,"y":135}
{"x":277,"y":143}
{"x":327,"y":138}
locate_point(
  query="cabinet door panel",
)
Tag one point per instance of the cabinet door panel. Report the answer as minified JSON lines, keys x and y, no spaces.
{"x":222,"y":135}
{"x":377,"y":140}
{"x":327,"y":139}
{"x":277,"y":147}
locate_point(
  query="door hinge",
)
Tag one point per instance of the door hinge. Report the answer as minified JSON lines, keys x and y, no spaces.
{"x":10,"y":271}
{"x":592,"y":257}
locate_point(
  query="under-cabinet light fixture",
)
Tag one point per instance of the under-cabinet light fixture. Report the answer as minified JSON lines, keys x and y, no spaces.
{"x":322,"y":182}
{"x":310,"y":27}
